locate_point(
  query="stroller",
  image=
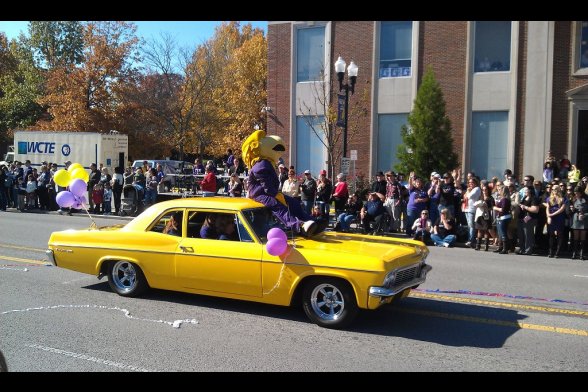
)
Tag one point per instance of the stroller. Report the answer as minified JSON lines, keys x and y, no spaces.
{"x":132,"y":200}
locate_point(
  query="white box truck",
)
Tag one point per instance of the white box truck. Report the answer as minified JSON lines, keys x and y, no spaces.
{"x":85,"y":148}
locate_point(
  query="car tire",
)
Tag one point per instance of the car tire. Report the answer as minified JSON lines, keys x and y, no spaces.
{"x":126,"y":279}
{"x":329,"y":302}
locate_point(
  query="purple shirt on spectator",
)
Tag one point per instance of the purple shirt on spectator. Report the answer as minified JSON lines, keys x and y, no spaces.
{"x":416,"y":193}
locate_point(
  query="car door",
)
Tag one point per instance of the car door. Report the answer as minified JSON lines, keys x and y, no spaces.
{"x":158,"y":248}
{"x":219,"y":266}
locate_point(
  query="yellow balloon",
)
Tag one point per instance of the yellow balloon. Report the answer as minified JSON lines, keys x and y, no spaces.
{"x":73,"y":167}
{"x":80,"y":173}
{"x":62,"y":178}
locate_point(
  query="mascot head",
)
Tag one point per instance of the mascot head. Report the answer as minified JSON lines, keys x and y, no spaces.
{"x":259,"y":146}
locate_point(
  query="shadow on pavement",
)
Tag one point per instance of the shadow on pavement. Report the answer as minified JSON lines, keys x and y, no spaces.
{"x":444,"y":323}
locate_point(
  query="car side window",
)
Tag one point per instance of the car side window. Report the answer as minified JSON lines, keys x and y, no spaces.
{"x":195,"y":222}
{"x":243,"y":234}
{"x":169,"y":223}
{"x":213,"y":226}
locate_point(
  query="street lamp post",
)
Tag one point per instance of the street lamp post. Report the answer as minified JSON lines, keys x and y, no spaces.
{"x":352,"y":76}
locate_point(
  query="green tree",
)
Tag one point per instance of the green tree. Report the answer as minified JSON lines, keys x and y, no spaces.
{"x":427,"y":140}
{"x":56,"y":42}
{"x":21,"y":85}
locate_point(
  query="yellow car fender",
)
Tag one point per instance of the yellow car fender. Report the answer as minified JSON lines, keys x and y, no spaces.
{"x":103,"y":261}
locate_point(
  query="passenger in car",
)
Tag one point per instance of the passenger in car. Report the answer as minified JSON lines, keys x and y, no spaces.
{"x":208,"y":229}
{"x":225,"y":227}
{"x":174,"y":225}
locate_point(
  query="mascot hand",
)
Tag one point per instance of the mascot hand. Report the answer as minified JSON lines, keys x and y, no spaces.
{"x":280,"y":197}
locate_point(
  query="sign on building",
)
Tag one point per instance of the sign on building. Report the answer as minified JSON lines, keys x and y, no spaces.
{"x":345,"y":163}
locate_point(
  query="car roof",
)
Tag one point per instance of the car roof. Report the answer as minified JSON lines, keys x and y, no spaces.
{"x":220,"y":202}
{"x":213,"y":203}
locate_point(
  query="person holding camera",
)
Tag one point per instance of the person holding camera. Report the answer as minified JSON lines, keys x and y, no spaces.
{"x":308,"y":194}
{"x":417,"y":201}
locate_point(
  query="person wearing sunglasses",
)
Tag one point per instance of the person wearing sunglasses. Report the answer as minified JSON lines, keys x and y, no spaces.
{"x":422,"y":228}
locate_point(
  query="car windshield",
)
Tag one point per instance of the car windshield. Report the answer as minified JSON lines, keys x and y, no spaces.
{"x":261,"y":220}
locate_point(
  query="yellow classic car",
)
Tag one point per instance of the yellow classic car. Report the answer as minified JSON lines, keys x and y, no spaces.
{"x":175,"y":245}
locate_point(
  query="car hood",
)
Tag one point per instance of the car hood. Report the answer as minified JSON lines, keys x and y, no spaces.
{"x":355,"y":251}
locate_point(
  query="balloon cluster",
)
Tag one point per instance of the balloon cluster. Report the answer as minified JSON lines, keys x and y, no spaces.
{"x":277,"y":242}
{"x":75,"y":178}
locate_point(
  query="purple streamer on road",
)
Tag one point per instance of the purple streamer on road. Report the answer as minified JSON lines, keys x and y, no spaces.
{"x":467,"y":292}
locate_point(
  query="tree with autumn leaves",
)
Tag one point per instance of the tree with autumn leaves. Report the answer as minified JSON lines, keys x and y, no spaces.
{"x":91,"y":97}
{"x":86,"y":76}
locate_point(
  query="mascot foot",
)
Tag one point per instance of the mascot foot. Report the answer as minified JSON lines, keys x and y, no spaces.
{"x":321,"y":225}
{"x":308,"y":228}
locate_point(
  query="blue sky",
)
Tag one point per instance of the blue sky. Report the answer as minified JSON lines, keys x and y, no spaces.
{"x":188,"y":33}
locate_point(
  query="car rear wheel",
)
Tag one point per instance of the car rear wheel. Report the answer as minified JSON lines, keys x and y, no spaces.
{"x":329,"y":302}
{"x":126,"y":279}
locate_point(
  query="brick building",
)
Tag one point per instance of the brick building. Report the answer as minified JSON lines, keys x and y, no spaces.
{"x":514,"y":90}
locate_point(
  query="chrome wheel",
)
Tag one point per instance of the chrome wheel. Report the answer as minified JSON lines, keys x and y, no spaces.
{"x":327,"y":302}
{"x":124,"y":276}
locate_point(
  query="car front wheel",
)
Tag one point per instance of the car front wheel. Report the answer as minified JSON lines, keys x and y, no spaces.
{"x":126,"y":279}
{"x":329,"y":302}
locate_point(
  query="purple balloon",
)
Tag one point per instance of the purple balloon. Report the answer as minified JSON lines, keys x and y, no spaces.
{"x":78,"y":187}
{"x":277,"y":233}
{"x":84,"y":201}
{"x":76,"y":205}
{"x":65,"y":199}
{"x":276,"y":246}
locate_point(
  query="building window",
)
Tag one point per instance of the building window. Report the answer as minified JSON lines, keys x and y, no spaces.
{"x":395,"y":49}
{"x":389,"y":139}
{"x":492,"y":46}
{"x":310,"y":53}
{"x":584,"y":45}
{"x":489,"y":143}
{"x":310,"y":151}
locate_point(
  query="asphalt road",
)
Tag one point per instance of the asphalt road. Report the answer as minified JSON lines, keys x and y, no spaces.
{"x":528,"y":314}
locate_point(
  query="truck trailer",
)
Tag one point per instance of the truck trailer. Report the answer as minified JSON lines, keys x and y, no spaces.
{"x":110,"y":149}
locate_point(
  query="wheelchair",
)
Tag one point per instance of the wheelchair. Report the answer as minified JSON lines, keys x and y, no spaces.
{"x":380,"y":225}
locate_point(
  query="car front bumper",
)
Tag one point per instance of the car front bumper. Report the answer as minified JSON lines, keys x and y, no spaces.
{"x":383,"y":292}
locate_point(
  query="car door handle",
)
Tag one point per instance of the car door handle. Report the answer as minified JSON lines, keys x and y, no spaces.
{"x":187,"y":249}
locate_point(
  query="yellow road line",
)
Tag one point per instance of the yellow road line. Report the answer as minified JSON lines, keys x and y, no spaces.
{"x":513,"y":324}
{"x":500,"y":304}
{"x":21,"y":247}
{"x":30,"y":261}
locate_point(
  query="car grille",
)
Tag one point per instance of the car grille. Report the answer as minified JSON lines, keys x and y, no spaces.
{"x":406,"y":275}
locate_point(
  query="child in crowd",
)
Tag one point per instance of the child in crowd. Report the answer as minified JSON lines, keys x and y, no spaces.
{"x":22,"y":194}
{"x":107,"y":198}
{"x":97,"y":197}
{"x":316,"y":211}
{"x":31,"y":191}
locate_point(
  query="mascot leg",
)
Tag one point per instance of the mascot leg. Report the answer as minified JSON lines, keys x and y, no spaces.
{"x":286,"y":216}
{"x":297,"y":210}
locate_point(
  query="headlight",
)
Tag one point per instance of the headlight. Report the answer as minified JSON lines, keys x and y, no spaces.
{"x":389,"y":280}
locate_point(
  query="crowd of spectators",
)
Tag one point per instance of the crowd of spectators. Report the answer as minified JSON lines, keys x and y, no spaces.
{"x":547,"y":215}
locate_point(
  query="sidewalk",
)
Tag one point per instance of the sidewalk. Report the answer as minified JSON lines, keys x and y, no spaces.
{"x":81,"y":213}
